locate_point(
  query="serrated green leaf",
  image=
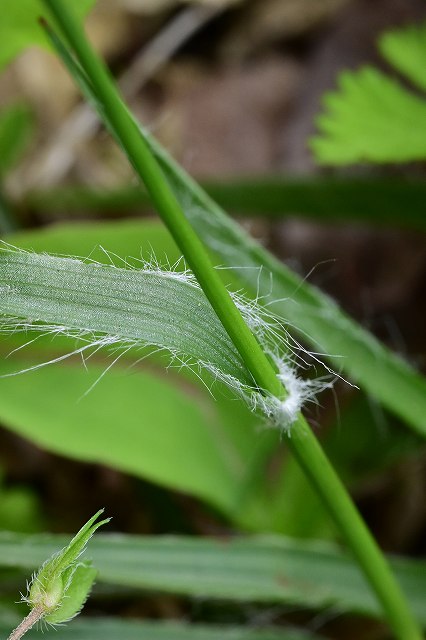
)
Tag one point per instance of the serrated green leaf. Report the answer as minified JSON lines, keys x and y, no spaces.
{"x":19,"y":27}
{"x":405,"y":49}
{"x":370,"y":118}
{"x":256,"y":569}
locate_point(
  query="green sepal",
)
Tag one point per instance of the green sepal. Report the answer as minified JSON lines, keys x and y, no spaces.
{"x":81,"y":580}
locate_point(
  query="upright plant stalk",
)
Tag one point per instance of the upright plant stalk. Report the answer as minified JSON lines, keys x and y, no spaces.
{"x":301,"y":440}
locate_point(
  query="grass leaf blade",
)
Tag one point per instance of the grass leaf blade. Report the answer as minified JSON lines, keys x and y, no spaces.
{"x":259,"y":569}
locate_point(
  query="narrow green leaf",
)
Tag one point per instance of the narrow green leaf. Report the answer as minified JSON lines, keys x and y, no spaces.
{"x":124,"y":629}
{"x":141,"y":306}
{"x":260,"y":569}
{"x":405,"y":49}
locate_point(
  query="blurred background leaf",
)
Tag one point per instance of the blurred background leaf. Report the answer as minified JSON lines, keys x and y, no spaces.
{"x":257,"y":569}
{"x":378,"y":201}
{"x":113,"y":628}
{"x":19,"y":27}
{"x":16,"y":129}
{"x":405,"y":49}
{"x":372,"y":117}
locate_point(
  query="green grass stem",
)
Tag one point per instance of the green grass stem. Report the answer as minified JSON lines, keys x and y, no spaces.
{"x":301,"y":440}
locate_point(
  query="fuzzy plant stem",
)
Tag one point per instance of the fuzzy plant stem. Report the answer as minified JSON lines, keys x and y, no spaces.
{"x":29,"y":621}
{"x":301,"y":439}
